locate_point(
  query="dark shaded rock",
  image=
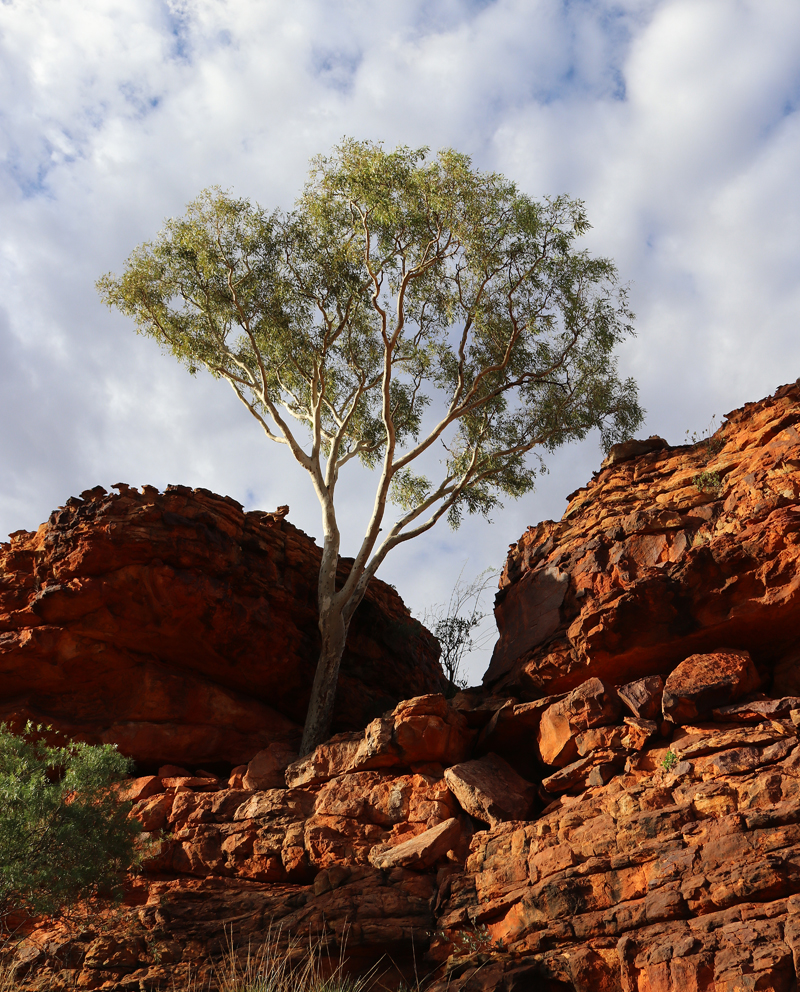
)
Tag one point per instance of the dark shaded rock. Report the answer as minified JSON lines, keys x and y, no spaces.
{"x":185,"y":630}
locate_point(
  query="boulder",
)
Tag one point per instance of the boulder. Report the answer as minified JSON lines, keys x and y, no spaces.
{"x":489,"y":789}
{"x":183,"y":629}
{"x":152,"y":813}
{"x":643,"y":697}
{"x":593,"y":704}
{"x":626,"y":450}
{"x":267,"y":769}
{"x":421,"y":852}
{"x":702,"y":682}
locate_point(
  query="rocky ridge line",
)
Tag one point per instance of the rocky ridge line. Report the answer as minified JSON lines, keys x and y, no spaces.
{"x":608,"y":813}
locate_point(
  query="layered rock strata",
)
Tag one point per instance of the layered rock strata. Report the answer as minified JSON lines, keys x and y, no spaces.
{"x":183,"y":629}
{"x":663,"y":862}
{"x":677,"y":551}
{"x":619,"y":811}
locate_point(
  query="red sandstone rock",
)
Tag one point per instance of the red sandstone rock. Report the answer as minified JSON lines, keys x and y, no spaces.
{"x":182,"y":782}
{"x":704,"y":681}
{"x":699,"y":865}
{"x":152,"y":813}
{"x":646,"y":567}
{"x":638,"y":732}
{"x":758,"y":710}
{"x":512,"y":732}
{"x":600,"y":739}
{"x":698,"y":868}
{"x":184,"y":630}
{"x":267,"y":769}
{"x":422,"y":851}
{"x":237,"y":777}
{"x":643,"y":697}
{"x":626,"y":450}
{"x":592,"y":704}
{"x":420,"y":730}
{"x":595,"y":768}
{"x":356,"y":812}
{"x":140,"y":788}
{"x":662,"y":876}
{"x":173,"y":771}
{"x":478,"y":706}
{"x":489,"y":789}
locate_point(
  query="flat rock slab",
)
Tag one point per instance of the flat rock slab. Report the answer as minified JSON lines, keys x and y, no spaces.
{"x":422,"y":851}
{"x":704,"y":682}
{"x":489,"y":789}
{"x":594,"y":769}
{"x":756,"y":712}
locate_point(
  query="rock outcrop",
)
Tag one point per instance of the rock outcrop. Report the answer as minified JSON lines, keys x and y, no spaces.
{"x":184,"y":630}
{"x":617,"y":810}
{"x":675,"y":552}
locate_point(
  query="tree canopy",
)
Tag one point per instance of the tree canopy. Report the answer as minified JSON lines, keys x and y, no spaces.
{"x":409,"y":306}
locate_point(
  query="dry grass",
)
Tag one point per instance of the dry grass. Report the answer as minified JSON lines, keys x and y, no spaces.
{"x":276,"y":965}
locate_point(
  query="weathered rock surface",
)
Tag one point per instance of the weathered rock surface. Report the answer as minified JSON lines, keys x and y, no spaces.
{"x":659,"y":881}
{"x":490,"y":790}
{"x":660,"y":855}
{"x":679,"y":551}
{"x":267,"y":769}
{"x":592,"y":704}
{"x":644,"y":875}
{"x":183,"y":629}
{"x":419,"y":731}
{"x":703,"y":682}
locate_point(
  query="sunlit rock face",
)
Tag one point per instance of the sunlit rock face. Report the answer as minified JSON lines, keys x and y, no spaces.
{"x":673,"y":552}
{"x":616,"y":810}
{"x":185,"y":630}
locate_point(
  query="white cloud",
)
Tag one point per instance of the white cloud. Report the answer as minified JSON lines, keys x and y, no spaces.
{"x":676,"y":121}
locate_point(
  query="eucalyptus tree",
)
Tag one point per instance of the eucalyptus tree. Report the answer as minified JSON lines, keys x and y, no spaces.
{"x":409,"y":307}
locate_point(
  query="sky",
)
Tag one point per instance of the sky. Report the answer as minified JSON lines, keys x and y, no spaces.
{"x":677,"y":122}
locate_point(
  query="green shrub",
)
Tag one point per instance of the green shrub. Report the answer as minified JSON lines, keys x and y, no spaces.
{"x":670,"y":760}
{"x":708,"y":482}
{"x":64,"y":833}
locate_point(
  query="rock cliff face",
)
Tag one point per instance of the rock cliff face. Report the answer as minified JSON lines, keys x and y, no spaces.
{"x":184,"y":630}
{"x":676,"y":551}
{"x":617,"y":810}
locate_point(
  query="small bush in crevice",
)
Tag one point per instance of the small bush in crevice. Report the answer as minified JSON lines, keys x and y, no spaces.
{"x":708,"y":482}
